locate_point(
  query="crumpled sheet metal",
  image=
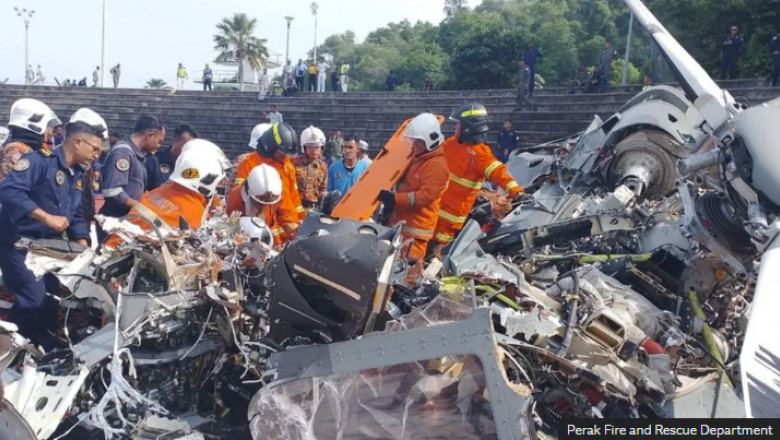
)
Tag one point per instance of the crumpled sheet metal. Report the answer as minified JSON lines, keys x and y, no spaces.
{"x":14,"y":426}
{"x":466,"y":256}
{"x":525,"y":167}
{"x":472,"y":337}
{"x":42,"y":399}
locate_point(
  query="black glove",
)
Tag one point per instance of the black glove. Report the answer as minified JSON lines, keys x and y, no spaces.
{"x":524,"y":198}
{"x":387,"y":198}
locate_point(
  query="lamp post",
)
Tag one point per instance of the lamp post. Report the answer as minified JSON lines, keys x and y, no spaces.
{"x":287,"y":54}
{"x":26,"y":16}
{"x":628,"y":49}
{"x":314,"y":8}
{"x":103,"y":58}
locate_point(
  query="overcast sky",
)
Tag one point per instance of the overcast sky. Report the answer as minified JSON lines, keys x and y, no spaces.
{"x":150,"y":37}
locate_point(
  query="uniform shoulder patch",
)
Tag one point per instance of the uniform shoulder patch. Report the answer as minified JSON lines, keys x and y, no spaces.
{"x":22,"y":164}
{"x":59,"y":177}
{"x":123,"y":164}
{"x":79,"y":185}
{"x":45,"y":152}
{"x":165,"y":168}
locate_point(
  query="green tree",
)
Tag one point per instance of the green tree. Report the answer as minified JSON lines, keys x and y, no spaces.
{"x":236,"y":41}
{"x":155,"y":83}
{"x":337,"y":48}
{"x":451,"y":7}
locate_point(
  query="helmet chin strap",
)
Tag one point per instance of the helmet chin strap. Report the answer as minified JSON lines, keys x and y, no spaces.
{"x":250,"y":206}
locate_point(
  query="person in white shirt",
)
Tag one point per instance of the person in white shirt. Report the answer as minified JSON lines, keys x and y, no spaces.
{"x":274,"y":117}
{"x":40,"y":78}
{"x":29,"y":75}
{"x":96,"y":77}
{"x":322,"y":76}
{"x":264,"y":81}
{"x":363,"y":152}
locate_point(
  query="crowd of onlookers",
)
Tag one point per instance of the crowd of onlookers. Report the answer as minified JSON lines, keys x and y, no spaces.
{"x":320,"y":76}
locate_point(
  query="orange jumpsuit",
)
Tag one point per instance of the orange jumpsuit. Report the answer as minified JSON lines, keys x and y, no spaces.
{"x":469,"y":166}
{"x":291,"y":210}
{"x":269,"y":213}
{"x":417,"y":200}
{"x":169,"y":203}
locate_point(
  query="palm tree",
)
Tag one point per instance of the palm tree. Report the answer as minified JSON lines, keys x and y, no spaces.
{"x":155,"y":83}
{"x":235,"y":41}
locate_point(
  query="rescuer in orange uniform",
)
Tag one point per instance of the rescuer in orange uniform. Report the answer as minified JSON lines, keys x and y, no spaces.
{"x":470,"y":162}
{"x":259,"y":196}
{"x":311,"y":171}
{"x":417,"y":196}
{"x":273,"y":148}
{"x":183,"y":201}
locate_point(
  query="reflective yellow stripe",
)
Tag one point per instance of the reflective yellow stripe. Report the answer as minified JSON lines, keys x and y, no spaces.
{"x":453,"y":218}
{"x":492,"y":167}
{"x":512,"y":185}
{"x":474,"y":112}
{"x":444,"y":238}
{"x":465,"y":182}
{"x":411,"y":199}
{"x":277,"y":231}
{"x":239,"y":181}
{"x":300,"y":209}
{"x":277,"y":137}
{"x":424,"y":234}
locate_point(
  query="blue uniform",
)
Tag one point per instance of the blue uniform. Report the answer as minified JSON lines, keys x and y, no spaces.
{"x":530,"y":57}
{"x":508,"y":141}
{"x":123,"y":177}
{"x":731,"y":46}
{"x":774,"y":46}
{"x":342,"y":179}
{"x":159,"y":167}
{"x":38,"y":180}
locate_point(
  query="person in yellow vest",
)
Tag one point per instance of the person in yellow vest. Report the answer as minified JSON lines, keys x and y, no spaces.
{"x":313,"y":71}
{"x":181,"y":76}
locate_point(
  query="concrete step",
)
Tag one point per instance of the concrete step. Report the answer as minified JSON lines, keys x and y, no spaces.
{"x":343,"y":99}
{"x":750,"y":82}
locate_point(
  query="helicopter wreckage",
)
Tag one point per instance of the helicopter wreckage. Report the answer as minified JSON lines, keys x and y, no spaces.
{"x":622,"y":290}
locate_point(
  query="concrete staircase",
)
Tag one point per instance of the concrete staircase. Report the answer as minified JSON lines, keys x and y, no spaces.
{"x":228,"y":117}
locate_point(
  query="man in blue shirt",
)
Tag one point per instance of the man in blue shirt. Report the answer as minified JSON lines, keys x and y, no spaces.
{"x":159,"y":166}
{"x":41,"y":198}
{"x":344,"y":173}
{"x":124,"y":173}
{"x":531,"y":56}
{"x":508,"y":141}
{"x":731,"y":45}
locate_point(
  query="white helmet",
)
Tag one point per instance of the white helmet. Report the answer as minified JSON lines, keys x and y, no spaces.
{"x":4,"y":133}
{"x":256,"y":229}
{"x":363,"y":145}
{"x":91,"y":118}
{"x":257,"y":133}
{"x":312,"y":136}
{"x":200,"y":169}
{"x":32,"y":115}
{"x":215,"y":151}
{"x":263,"y":185}
{"x":425,"y":127}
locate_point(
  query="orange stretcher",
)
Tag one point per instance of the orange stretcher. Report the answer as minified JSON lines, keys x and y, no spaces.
{"x":384,"y":172}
